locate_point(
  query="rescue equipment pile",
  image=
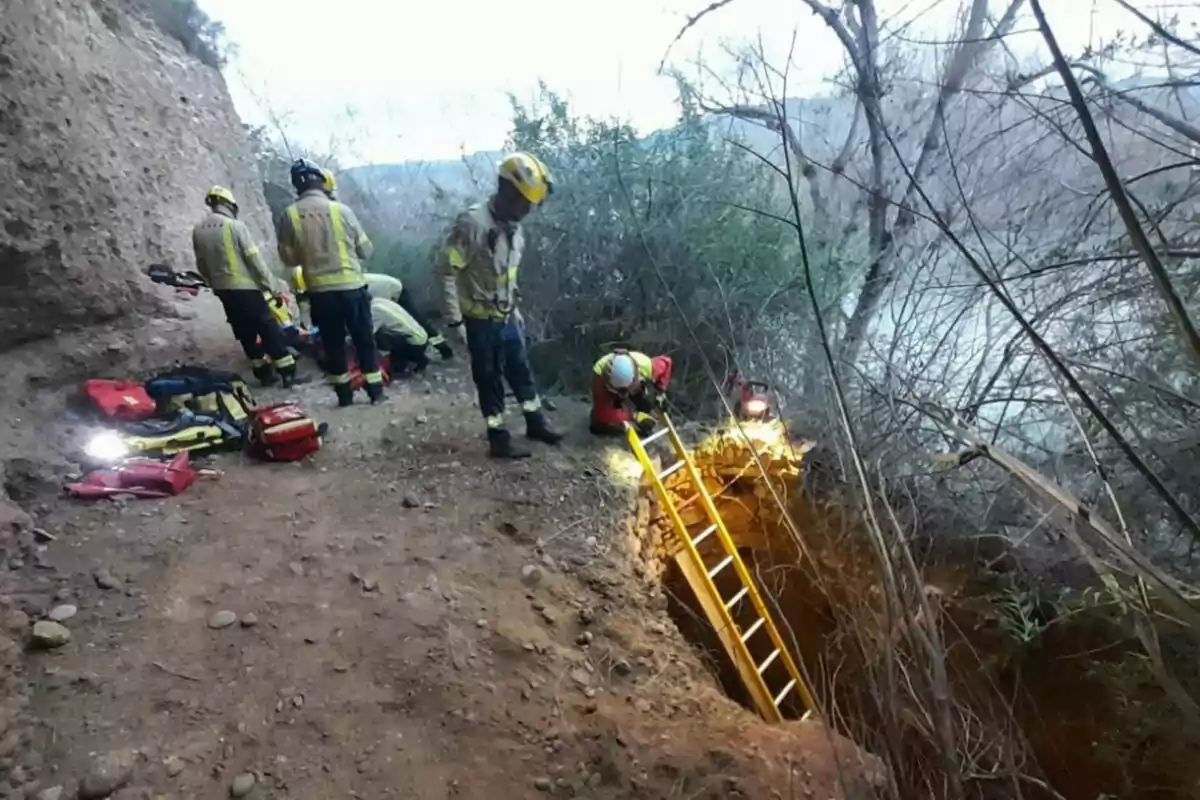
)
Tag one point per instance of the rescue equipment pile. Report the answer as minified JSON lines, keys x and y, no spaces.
{"x":148,"y":430}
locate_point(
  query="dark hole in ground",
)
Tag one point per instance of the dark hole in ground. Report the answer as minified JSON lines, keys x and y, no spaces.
{"x":1077,"y":699}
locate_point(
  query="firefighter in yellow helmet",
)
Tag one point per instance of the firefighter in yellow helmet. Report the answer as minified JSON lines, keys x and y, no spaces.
{"x":392,"y":288}
{"x":399,"y":337}
{"x":229,"y":260}
{"x":329,"y":185}
{"x":478,"y":264}
{"x":325,"y":239}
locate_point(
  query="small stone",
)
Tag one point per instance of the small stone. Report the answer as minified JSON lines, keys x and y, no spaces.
{"x":543,"y":784}
{"x":422,"y":419}
{"x":581,"y":677}
{"x":586,"y":616}
{"x":548,"y":616}
{"x":481,"y":623}
{"x":589,"y":693}
{"x":50,"y":634}
{"x":174,"y":766}
{"x":298,"y":701}
{"x":242,"y":785}
{"x":249,"y":621}
{"x":62,"y":613}
{"x":43,"y":535}
{"x":370,"y":583}
{"x":410,"y":502}
{"x":53,"y":793}
{"x":584,"y":639}
{"x":107,"y":774}
{"x":105,"y":579}
{"x":222,"y":619}
{"x":531,"y":574}
{"x":548,"y":561}
{"x":622,"y":667}
{"x":297,"y":568}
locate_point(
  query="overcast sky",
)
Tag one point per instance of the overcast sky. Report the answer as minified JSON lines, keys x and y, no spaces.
{"x":393,"y":80}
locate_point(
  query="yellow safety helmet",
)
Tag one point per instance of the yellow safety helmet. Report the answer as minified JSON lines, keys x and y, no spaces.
{"x":219,"y":194}
{"x":330,"y":182}
{"x":529,"y":175}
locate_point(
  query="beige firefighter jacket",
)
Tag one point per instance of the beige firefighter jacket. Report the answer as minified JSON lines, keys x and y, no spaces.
{"x":478,"y":264}
{"x":227,"y":256}
{"x":390,"y":318}
{"x":325,"y":239}
{"x":384,"y":286}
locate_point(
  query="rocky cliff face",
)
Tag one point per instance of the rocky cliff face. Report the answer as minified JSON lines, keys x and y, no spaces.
{"x":109,"y":136}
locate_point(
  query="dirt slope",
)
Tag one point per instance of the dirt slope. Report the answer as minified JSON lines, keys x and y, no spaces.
{"x":401,"y":634}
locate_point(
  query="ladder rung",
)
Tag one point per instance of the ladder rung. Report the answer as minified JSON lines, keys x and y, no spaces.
{"x":734,"y":601}
{"x":779,"y":697}
{"x":753,"y":629}
{"x":671,"y":470}
{"x":725,"y":563}
{"x":774,"y":655}
{"x":704,"y":534}
{"x":658,"y":434}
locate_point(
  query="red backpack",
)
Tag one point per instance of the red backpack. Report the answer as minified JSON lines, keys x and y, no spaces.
{"x":283,"y":432}
{"x":122,"y":400}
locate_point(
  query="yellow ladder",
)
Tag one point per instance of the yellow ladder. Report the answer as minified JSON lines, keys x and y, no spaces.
{"x":740,"y":628}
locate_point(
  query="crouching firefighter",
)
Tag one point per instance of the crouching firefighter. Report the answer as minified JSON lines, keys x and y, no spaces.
{"x":399,"y":337}
{"x":324,"y":239}
{"x":624,"y":379}
{"x":390,"y":288}
{"x":228,"y":259}
{"x":478,"y":265}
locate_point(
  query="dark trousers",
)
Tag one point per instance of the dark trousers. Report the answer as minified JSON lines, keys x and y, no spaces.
{"x":405,"y":301}
{"x":339,"y":314}
{"x":401,"y":353}
{"x":495,"y":359}
{"x":251,"y":319}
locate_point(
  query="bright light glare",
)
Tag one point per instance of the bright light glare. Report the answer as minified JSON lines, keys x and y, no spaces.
{"x":106,"y":446}
{"x":755,"y":407}
{"x":623,"y":467}
{"x":764,"y":433}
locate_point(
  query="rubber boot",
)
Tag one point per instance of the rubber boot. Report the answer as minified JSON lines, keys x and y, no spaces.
{"x":500,"y":445}
{"x":444,"y":351}
{"x":375,"y":392}
{"x":345,"y":394}
{"x":538,"y":428}
{"x":266,"y":374}
{"x":287,"y":376}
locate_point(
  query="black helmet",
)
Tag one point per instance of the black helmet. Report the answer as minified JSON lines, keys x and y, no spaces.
{"x":306,"y":175}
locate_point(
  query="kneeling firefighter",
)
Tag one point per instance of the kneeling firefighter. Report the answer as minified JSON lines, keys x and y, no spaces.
{"x":398,"y":336}
{"x":390,"y":288}
{"x":228,"y":259}
{"x":478,"y":265}
{"x":325,"y":239}
{"x":622,"y":379}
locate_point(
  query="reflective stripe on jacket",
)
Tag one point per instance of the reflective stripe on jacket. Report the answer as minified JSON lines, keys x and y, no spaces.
{"x":324,"y":238}
{"x":478,"y":264}
{"x":384,"y":286}
{"x":227,"y":256}
{"x":390,"y":318}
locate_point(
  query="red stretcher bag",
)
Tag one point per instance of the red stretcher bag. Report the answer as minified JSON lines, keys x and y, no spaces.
{"x":283,"y":432}
{"x":122,"y":400}
{"x":139,"y":477}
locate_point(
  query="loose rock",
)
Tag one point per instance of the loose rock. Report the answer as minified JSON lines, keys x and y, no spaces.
{"x":107,"y":774}
{"x":543,"y":784}
{"x":62,"y":613}
{"x":174,"y":766}
{"x":410,"y":502}
{"x":297,"y":568}
{"x":249,"y":621}
{"x":50,"y":634}
{"x":105,"y":579}
{"x":242,"y":785}
{"x":531,"y":574}
{"x":370,"y":584}
{"x":581,"y":677}
{"x":584,"y":639}
{"x":53,"y":793}
{"x":222,"y":619}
